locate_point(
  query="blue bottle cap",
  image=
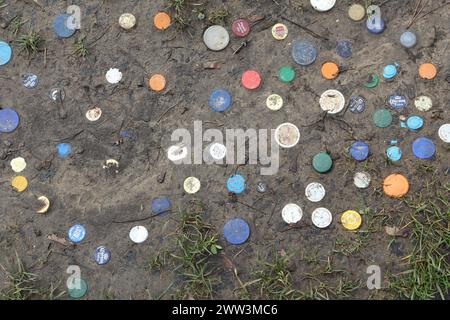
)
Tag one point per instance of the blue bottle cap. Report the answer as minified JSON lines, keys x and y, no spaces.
{"x":5,"y":53}
{"x":357,"y":104}
{"x":304,"y":53}
{"x":423,"y":148}
{"x":220,"y":100}
{"x":30,"y":81}
{"x":61,"y":26}
{"x":102,"y":255}
{"x":374,"y":27}
{"x":394,"y":153}
{"x":236,"y":184}
{"x":344,"y":48}
{"x":397,"y":102}
{"x":408,"y":39}
{"x":236,"y":231}
{"x":414,"y":123}
{"x":64,"y":150}
{"x":359,"y":151}
{"x":9,"y":120}
{"x":161,"y":205}
{"x":77,"y":233}
{"x":390,"y":71}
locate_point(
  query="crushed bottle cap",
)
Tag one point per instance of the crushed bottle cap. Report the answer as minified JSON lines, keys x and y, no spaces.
{"x":177,"y":153}
{"x":62,"y":26}
{"x":64,"y":150}
{"x":408,"y":39}
{"x":216,"y":38}
{"x":292,"y":213}
{"x":157,"y":82}
{"x":236,"y":231}
{"x":321,"y":217}
{"x":398,"y":102}
{"x":274,"y":102}
{"x":240,"y":28}
{"x":18,"y":164}
{"x":423,"y":148}
{"x":322,"y":162}
{"x":102,"y":255}
{"x":362,"y":180}
{"x":220,"y":100}
{"x":373,"y":81}
{"x":428,"y":71}
{"x":382,"y":118}
{"x":351,"y":220}
{"x":444,"y":132}
{"x":191,"y":185}
{"x":30,"y":80}
{"x":304,"y":52}
{"x":5,"y":53}
{"x":94,"y":114}
{"x":217,"y":151}
{"x":161,"y":205}
{"x":356,"y":12}
{"x":261,"y":187}
{"x":359,"y":151}
{"x":138,"y":234}
{"x":251,"y":80}
{"x":127,"y":21}
{"x":77,"y":233}
{"x":330,"y":70}
{"x":344,"y":48}
{"x":19,"y":183}
{"x":414,"y":123}
{"x":45,"y":204}
{"x":323,"y":5}
{"x":395,"y":185}
{"x":357,"y":104}
{"x":287,"y":135}
{"x":57,"y":94}
{"x":315,"y":192}
{"x":162,"y":21}
{"x":332,"y":101}
{"x":423,"y":103}
{"x":113,"y":76}
{"x":286,"y":74}
{"x":9,"y":120}
{"x":394,"y":153}
{"x":78,"y":292}
{"x":236,"y":184}
{"x":279,"y":31}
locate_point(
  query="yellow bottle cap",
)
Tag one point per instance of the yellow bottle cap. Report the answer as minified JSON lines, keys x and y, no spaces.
{"x":356,"y":12}
{"x":191,"y":185}
{"x":279,"y":31}
{"x":351,"y":220}
{"x":274,"y":102}
{"x":19,"y":183}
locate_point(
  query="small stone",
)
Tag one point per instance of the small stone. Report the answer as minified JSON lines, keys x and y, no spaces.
{"x":161,"y":177}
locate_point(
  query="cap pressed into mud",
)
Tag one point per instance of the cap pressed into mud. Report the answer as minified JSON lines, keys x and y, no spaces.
{"x":287,"y":135}
{"x":332,"y":101}
{"x":217,"y":151}
{"x":390,"y":71}
{"x":395,"y":185}
{"x":344,"y":48}
{"x":162,"y":20}
{"x":18,"y":164}
{"x":408,"y":39}
{"x":177,"y":153}
{"x":274,"y":102}
{"x":359,"y":150}
{"x":330,"y":70}
{"x":77,"y":233}
{"x":323,"y":5}
{"x":251,"y":80}
{"x":19,"y":183}
{"x":414,"y":123}
{"x":78,"y":289}
{"x":30,"y":80}
{"x":322,"y":162}
{"x":286,"y":74}
{"x":351,"y":220}
{"x":240,"y":28}
{"x":102,"y":255}
{"x":94,"y":114}
{"x":382,"y":118}
{"x":127,"y":21}
{"x":236,"y":184}
{"x":315,"y":192}
{"x":423,"y":148}
{"x":191,"y":185}
{"x":62,"y":26}
{"x":113,"y":75}
{"x":236,"y":231}
{"x":161,"y":205}
{"x":291,"y":213}
{"x":219,"y":100}
{"x":375,"y":24}
{"x":216,"y":38}
{"x":444,"y":132}
{"x":304,"y":52}
{"x":362,"y":180}
{"x":157,"y":82}
{"x":279,"y":31}
{"x":398,"y":102}
{"x":394,"y":153}
{"x":9,"y":120}
{"x":138,"y":234}
{"x":64,"y":150}
{"x":356,"y":12}
{"x":357,"y":104}
{"x":423,"y":103}
{"x":321,"y":217}
{"x":428,"y":71}
{"x":372,"y":81}
{"x":5,"y":53}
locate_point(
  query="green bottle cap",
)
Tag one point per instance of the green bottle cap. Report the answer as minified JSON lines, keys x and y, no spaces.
{"x":77,"y":293}
{"x":382,"y":118}
{"x":373,"y":81}
{"x":322,"y":162}
{"x":286,"y":74}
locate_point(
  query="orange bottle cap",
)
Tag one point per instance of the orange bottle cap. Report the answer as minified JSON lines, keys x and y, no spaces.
{"x":395,"y":186}
{"x":157,"y":82}
{"x":428,"y":71}
{"x":162,"y":20}
{"x":330,"y":70}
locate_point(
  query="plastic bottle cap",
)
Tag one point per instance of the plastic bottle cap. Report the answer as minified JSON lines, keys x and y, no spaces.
{"x":356,"y":12}
{"x":161,"y":20}
{"x":62,"y":26}
{"x":286,"y":74}
{"x":217,"y":151}
{"x":138,"y":234}
{"x":161,"y":205}
{"x":274,"y":102}
{"x":330,"y":70}
{"x":390,"y":71}
{"x":19,"y":183}
{"x":287,"y":135}
{"x":94,"y":114}
{"x":78,"y":292}
{"x":9,"y":120}
{"x":323,"y":5}
{"x":157,"y":82}
{"x":220,"y":100}
{"x":344,"y":48}
{"x":351,"y":220}
{"x":408,"y":39}
{"x":398,"y":102}
{"x":395,"y":186}
{"x":291,"y":213}
{"x":423,"y":148}
{"x":127,"y":21}
{"x":357,"y":104}
{"x":261,"y":187}
{"x":251,"y":80}
{"x":332,"y":101}
{"x":45,"y":204}
{"x":77,"y":233}
{"x":240,"y":28}
{"x":177,"y":153}
{"x":236,"y":231}
{"x":5,"y":53}
{"x":359,"y":151}
{"x":375,"y":25}
{"x":373,"y":81}
{"x":279,"y":31}
{"x":102,"y":255}
{"x":64,"y":150}
{"x":30,"y":81}
{"x":321,"y":217}
{"x":423,"y":103}
{"x":414,"y":123}
{"x":322,"y":162}
{"x":315,"y":192}
{"x":444,"y":132}
{"x":57,"y":94}
{"x":382,"y":118}
{"x":18,"y":164}
{"x":304,"y":53}
{"x":236,"y":184}
{"x":428,"y":71}
{"x":113,"y":75}
{"x":191,"y":185}
{"x":362,"y":180}
{"x":394,"y":153}
{"x":216,"y":38}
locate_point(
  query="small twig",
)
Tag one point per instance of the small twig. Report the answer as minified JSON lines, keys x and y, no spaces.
{"x":165,"y":112}
{"x":315,"y":34}
{"x":142,"y":219}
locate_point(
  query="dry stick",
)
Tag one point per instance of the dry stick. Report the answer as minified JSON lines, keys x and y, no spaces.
{"x":306,"y":29}
{"x":431,"y":11}
{"x":416,"y":13}
{"x":165,"y":112}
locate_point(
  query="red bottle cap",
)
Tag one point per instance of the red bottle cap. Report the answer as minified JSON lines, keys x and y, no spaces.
{"x":251,"y":80}
{"x":241,"y":28}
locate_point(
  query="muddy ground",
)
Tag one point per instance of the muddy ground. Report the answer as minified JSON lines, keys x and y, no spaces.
{"x":81,"y":191}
